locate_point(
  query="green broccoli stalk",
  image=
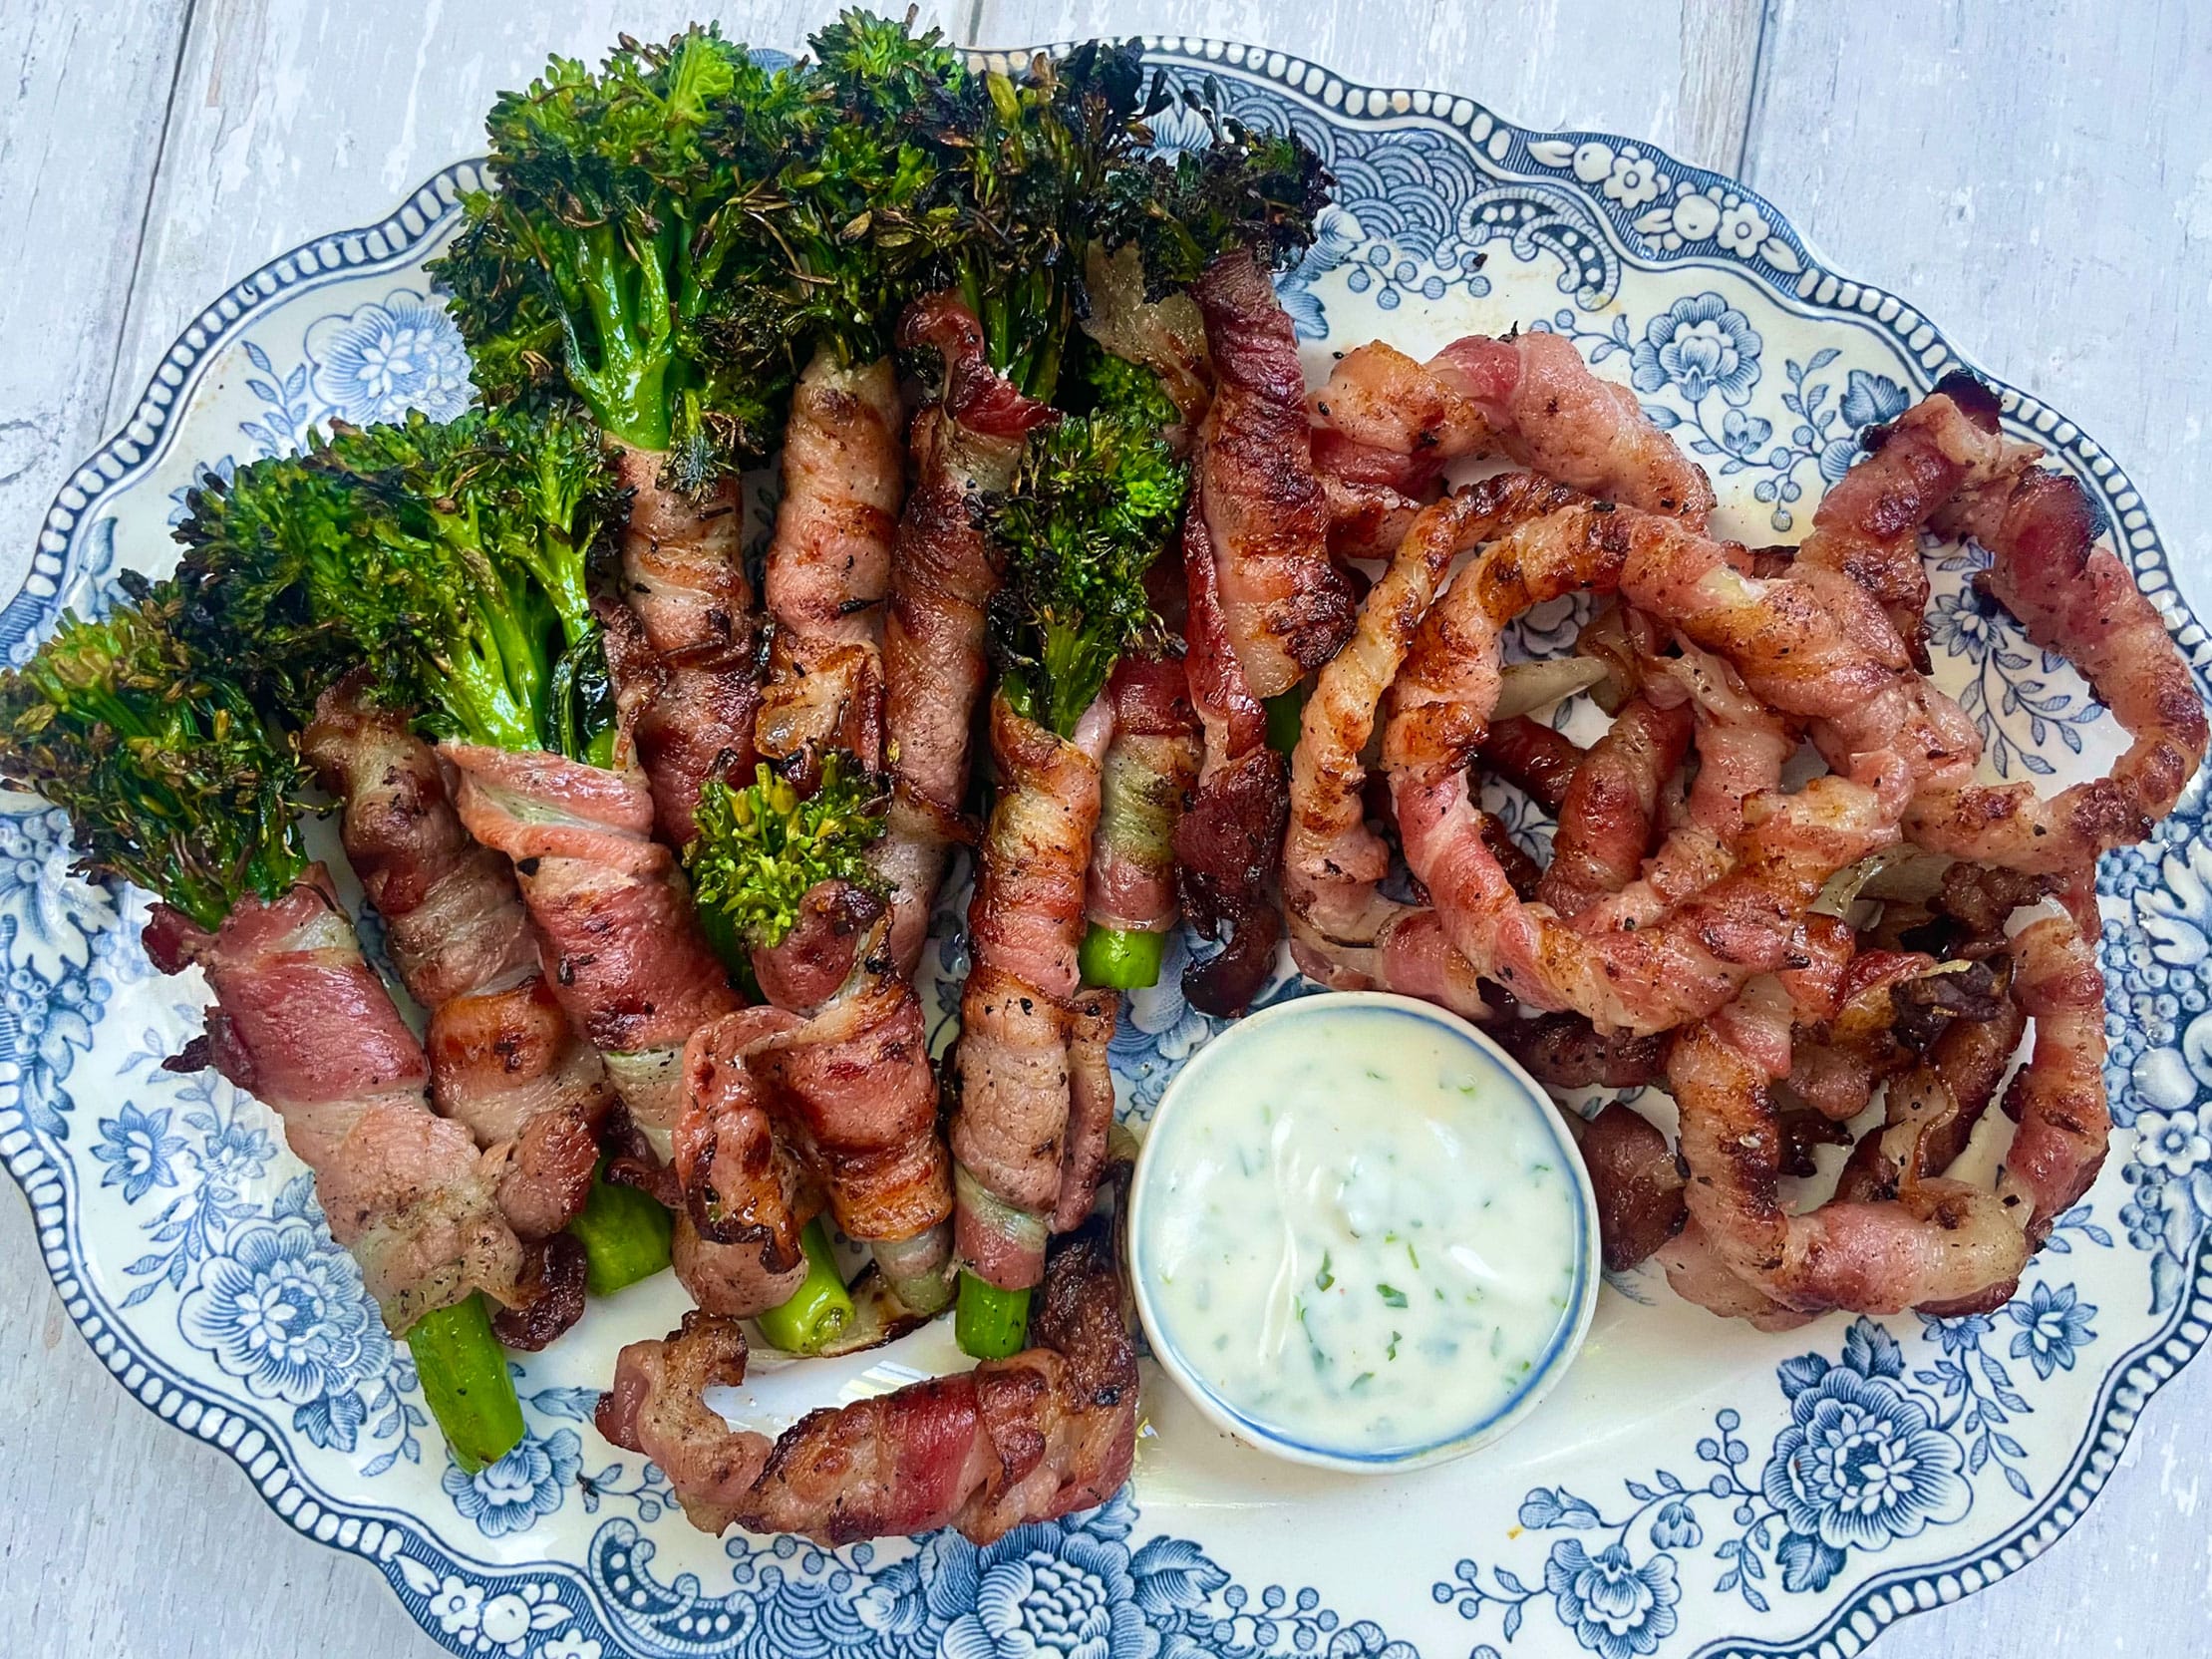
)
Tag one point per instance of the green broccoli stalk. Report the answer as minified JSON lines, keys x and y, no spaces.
{"x":450,"y":556}
{"x":760,"y":849}
{"x":1095,"y":501}
{"x":173,"y":782}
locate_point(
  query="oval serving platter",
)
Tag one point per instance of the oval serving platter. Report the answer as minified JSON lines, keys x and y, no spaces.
{"x":1692,"y":1487}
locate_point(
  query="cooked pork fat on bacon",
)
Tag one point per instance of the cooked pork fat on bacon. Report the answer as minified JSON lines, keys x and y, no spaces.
{"x":1385,"y":419}
{"x":302,"y":1023}
{"x":1285,"y":607}
{"x":504,"y":1059}
{"x":619,"y":944}
{"x":1047,"y":1432}
{"x":1020,"y":1009}
{"x":683,"y":574}
{"x":829,"y":565}
{"x":1144,"y":782}
{"x":966,"y":446}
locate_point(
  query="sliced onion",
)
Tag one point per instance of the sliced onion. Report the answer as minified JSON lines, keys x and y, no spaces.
{"x":1528,"y":685}
{"x":1897,"y":873}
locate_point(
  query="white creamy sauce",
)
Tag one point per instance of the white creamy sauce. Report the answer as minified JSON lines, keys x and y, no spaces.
{"x":1364,"y":1235}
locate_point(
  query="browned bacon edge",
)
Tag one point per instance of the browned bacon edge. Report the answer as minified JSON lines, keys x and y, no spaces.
{"x":965,"y":446}
{"x":302,"y":1022}
{"x":1022,"y":1086}
{"x":1285,"y":607}
{"x":1149,"y":771}
{"x":619,"y":944}
{"x":1229,"y":840}
{"x":503,"y":1060}
{"x":1045,"y":1433}
{"x":829,"y":565}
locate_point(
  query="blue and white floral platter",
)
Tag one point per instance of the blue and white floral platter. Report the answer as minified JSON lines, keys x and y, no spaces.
{"x":1693,"y":1488}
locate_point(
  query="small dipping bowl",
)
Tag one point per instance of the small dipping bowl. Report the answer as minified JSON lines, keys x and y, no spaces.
{"x":1385,"y":1239}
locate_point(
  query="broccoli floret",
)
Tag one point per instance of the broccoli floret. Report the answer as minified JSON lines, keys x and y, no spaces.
{"x":759,"y":849}
{"x":594,"y":260}
{"x":449,"y":556}
{"x":1094,"y":503}
{"x":170,"y":778}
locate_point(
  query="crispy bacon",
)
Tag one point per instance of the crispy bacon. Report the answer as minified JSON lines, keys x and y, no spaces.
{"x":1690,"y":960}
{"x":1535,"y":759}
{"x":965,"y":446}
{"x":829,"y":565}
{"x":1230,"y":838}
{"x":744,"y":1193}
{"x":853,"y":1085}
{"x":1149,"y":773}
{"x":1343,"y":929}
{"x":619,"y":944}
{"x":302,"y":1023}
{"x":1867,"y":528}
{"x":682,"y":574}
{"x":1607,"y":815}
{"x":2076,"y":597}
{"x":1047,"y":1432}
{"x":1018,"y":1011}
{"x":1938,"y":1241}
{"x":453,"y":920}
{"x":1285,"y":607}
{"x":1396,"y":422}
{"x":503,"y":1060}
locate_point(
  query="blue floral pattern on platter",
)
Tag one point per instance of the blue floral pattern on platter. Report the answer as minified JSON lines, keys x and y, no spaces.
{"x":1799,"y":1492}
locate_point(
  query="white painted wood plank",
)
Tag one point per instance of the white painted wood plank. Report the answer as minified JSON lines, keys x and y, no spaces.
{"x":1676,"y":73}
{"x":80,"y":124}
{"x":2038,"y":179}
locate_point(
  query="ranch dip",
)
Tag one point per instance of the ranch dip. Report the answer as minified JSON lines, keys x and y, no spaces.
{"x":1358,"y":1231}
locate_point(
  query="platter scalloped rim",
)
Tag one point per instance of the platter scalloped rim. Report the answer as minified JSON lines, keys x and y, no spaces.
{"x":1434,"y":219}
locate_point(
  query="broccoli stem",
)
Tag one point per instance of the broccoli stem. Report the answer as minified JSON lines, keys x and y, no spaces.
{"x":990,"y":1323}
{"x":625,"y":1235}
{"x":1121,"y":959}
{"x":465,"y":1383}
{"x":820,"y":1309}
{"x":1283,"y":716}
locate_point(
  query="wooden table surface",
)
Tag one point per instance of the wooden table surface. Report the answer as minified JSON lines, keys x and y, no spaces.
{"x":2037,"y":177}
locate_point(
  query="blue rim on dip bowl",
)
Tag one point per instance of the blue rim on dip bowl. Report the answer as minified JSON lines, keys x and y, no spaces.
{"x":1480,"y":1103}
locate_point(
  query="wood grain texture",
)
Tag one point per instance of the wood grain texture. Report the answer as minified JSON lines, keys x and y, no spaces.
{"x":1676,"y":73}
{"x":2037,"y":176}
{"x":87,"y":88}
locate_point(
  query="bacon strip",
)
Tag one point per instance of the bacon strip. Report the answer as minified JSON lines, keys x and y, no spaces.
{"x":966,"y":446}
{"x":853,"y":1087}
{"x":302,"y":1023}
{"x":1149,"y":773}
{"x":1230,"y":838}
{"x":503,"y":1060}
{"x":745,"y":1194}
{"x":1285,"y":607}
{"x":1692,"y":959}
{"x":1937,"y":1242}
{"x":1019,"y":1010}
{"x":829,"y":565}
{"x":1395,"y":422}
{"x":1867,"y":528}
{"x":1050,"y":1431}
{"x":1607,"y":816}
{"x":618,"y":941}
{"x":682,"y":574}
